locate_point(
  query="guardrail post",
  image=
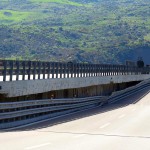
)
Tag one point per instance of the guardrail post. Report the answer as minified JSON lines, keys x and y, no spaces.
{"x":78,"y":70}
{"x":100,"y":70}
{"x":117,"y":69}
{"x":34,"y":69}
{"x":127,"y":70}
{"x":123,"y":72}
{"x":44,"y":69}
{"x":90,"y":70}
{"x":56,"y":70}
{"x":110,"y":70}
{"x":64,"y":70}
{"x":97,"y":70}
{"x":131,"y":69}
{"x":53,"y":69}
{"x":23,"y":70}
{"x":87,"y":70}
{"x":29,"y":69}
{"x":104,"y":70}
{"x":1,"y":68}
{"x":70,"y":69}
{"x":17,"y":70}
{"x":107,"y":70}
{"x":114,"y":70}
{"x":11,"y":63}
{"x":84,"y":70}
{"x":67,"y":69}
{"x":4,"y":70}
{"x":93,"y":70}
{"x":60,"y":69}
{"x":81,"y":70}
{"x":48,"y":70}
{"x":74,"y":70}
{"x":120,"y":70}
{"x":39,"y":69}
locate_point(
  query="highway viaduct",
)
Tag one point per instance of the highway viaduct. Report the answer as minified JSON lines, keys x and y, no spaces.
{"x":31,"y":91}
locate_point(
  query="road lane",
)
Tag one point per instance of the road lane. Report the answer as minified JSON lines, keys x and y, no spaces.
{"x":124,"y":125}
{"x":122,"y":116}
{"x":37,"y":146}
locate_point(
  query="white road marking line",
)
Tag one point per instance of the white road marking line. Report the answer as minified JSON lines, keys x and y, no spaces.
{"x":78,"y":136}
{"x":105,"y":125}
{"x":37,"y":146}
{"x":121,"y":116}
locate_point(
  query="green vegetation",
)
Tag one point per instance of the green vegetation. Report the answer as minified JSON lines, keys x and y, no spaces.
{"x":58,"y":1}
{"x":82,"y":30}
{"x":147,"y":37}
{"x":8,"y":16}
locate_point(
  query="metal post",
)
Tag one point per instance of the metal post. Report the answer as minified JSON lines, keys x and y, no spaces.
{"x":60,"y":69}
{"x":34,"y":69}
{"x":23,"y":70}
{"x":11,"y":63}
{"x":75,"y":70}
{"x":78,"y":70}
{"x":29,"y":69}
{"x":39,"y":69}
{"x":4,"y":70}
{"x":17,"y":70}
{"x":56,"y":69}
{"x":53,"y":70}
{"x":49,"y":70}
{"x":44,"y":68}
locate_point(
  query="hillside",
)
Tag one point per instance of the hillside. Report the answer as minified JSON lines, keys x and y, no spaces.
{"x":91,"y":31}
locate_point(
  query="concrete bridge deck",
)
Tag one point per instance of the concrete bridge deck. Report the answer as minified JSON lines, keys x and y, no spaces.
{"x":27,"y":87}
{"x":19,"y":78}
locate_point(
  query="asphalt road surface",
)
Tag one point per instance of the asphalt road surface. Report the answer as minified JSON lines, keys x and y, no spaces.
{"x":124,"y":125}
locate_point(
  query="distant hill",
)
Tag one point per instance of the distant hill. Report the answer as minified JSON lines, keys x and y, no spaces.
{"x":92,"y":31}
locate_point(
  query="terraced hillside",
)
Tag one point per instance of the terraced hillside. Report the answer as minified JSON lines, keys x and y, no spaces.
{"x":81,"y":30}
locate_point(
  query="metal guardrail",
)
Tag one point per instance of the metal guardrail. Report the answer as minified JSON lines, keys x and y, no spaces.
{"x":10,"y":105}
{"x":129,"y":91}
{"x":45,"y":109}
{"x":7,"y":125}
{"x":31,"y":70}
{"x":7,"y":119}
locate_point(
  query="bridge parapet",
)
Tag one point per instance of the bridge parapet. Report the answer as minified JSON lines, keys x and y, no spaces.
{"x":11,"y":70}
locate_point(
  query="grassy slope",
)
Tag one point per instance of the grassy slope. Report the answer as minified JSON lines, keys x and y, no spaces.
{"x":106,"y":32}
{"x":58,"y":1}
{"x":13,"y":17}
{"x":19,"y":15}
